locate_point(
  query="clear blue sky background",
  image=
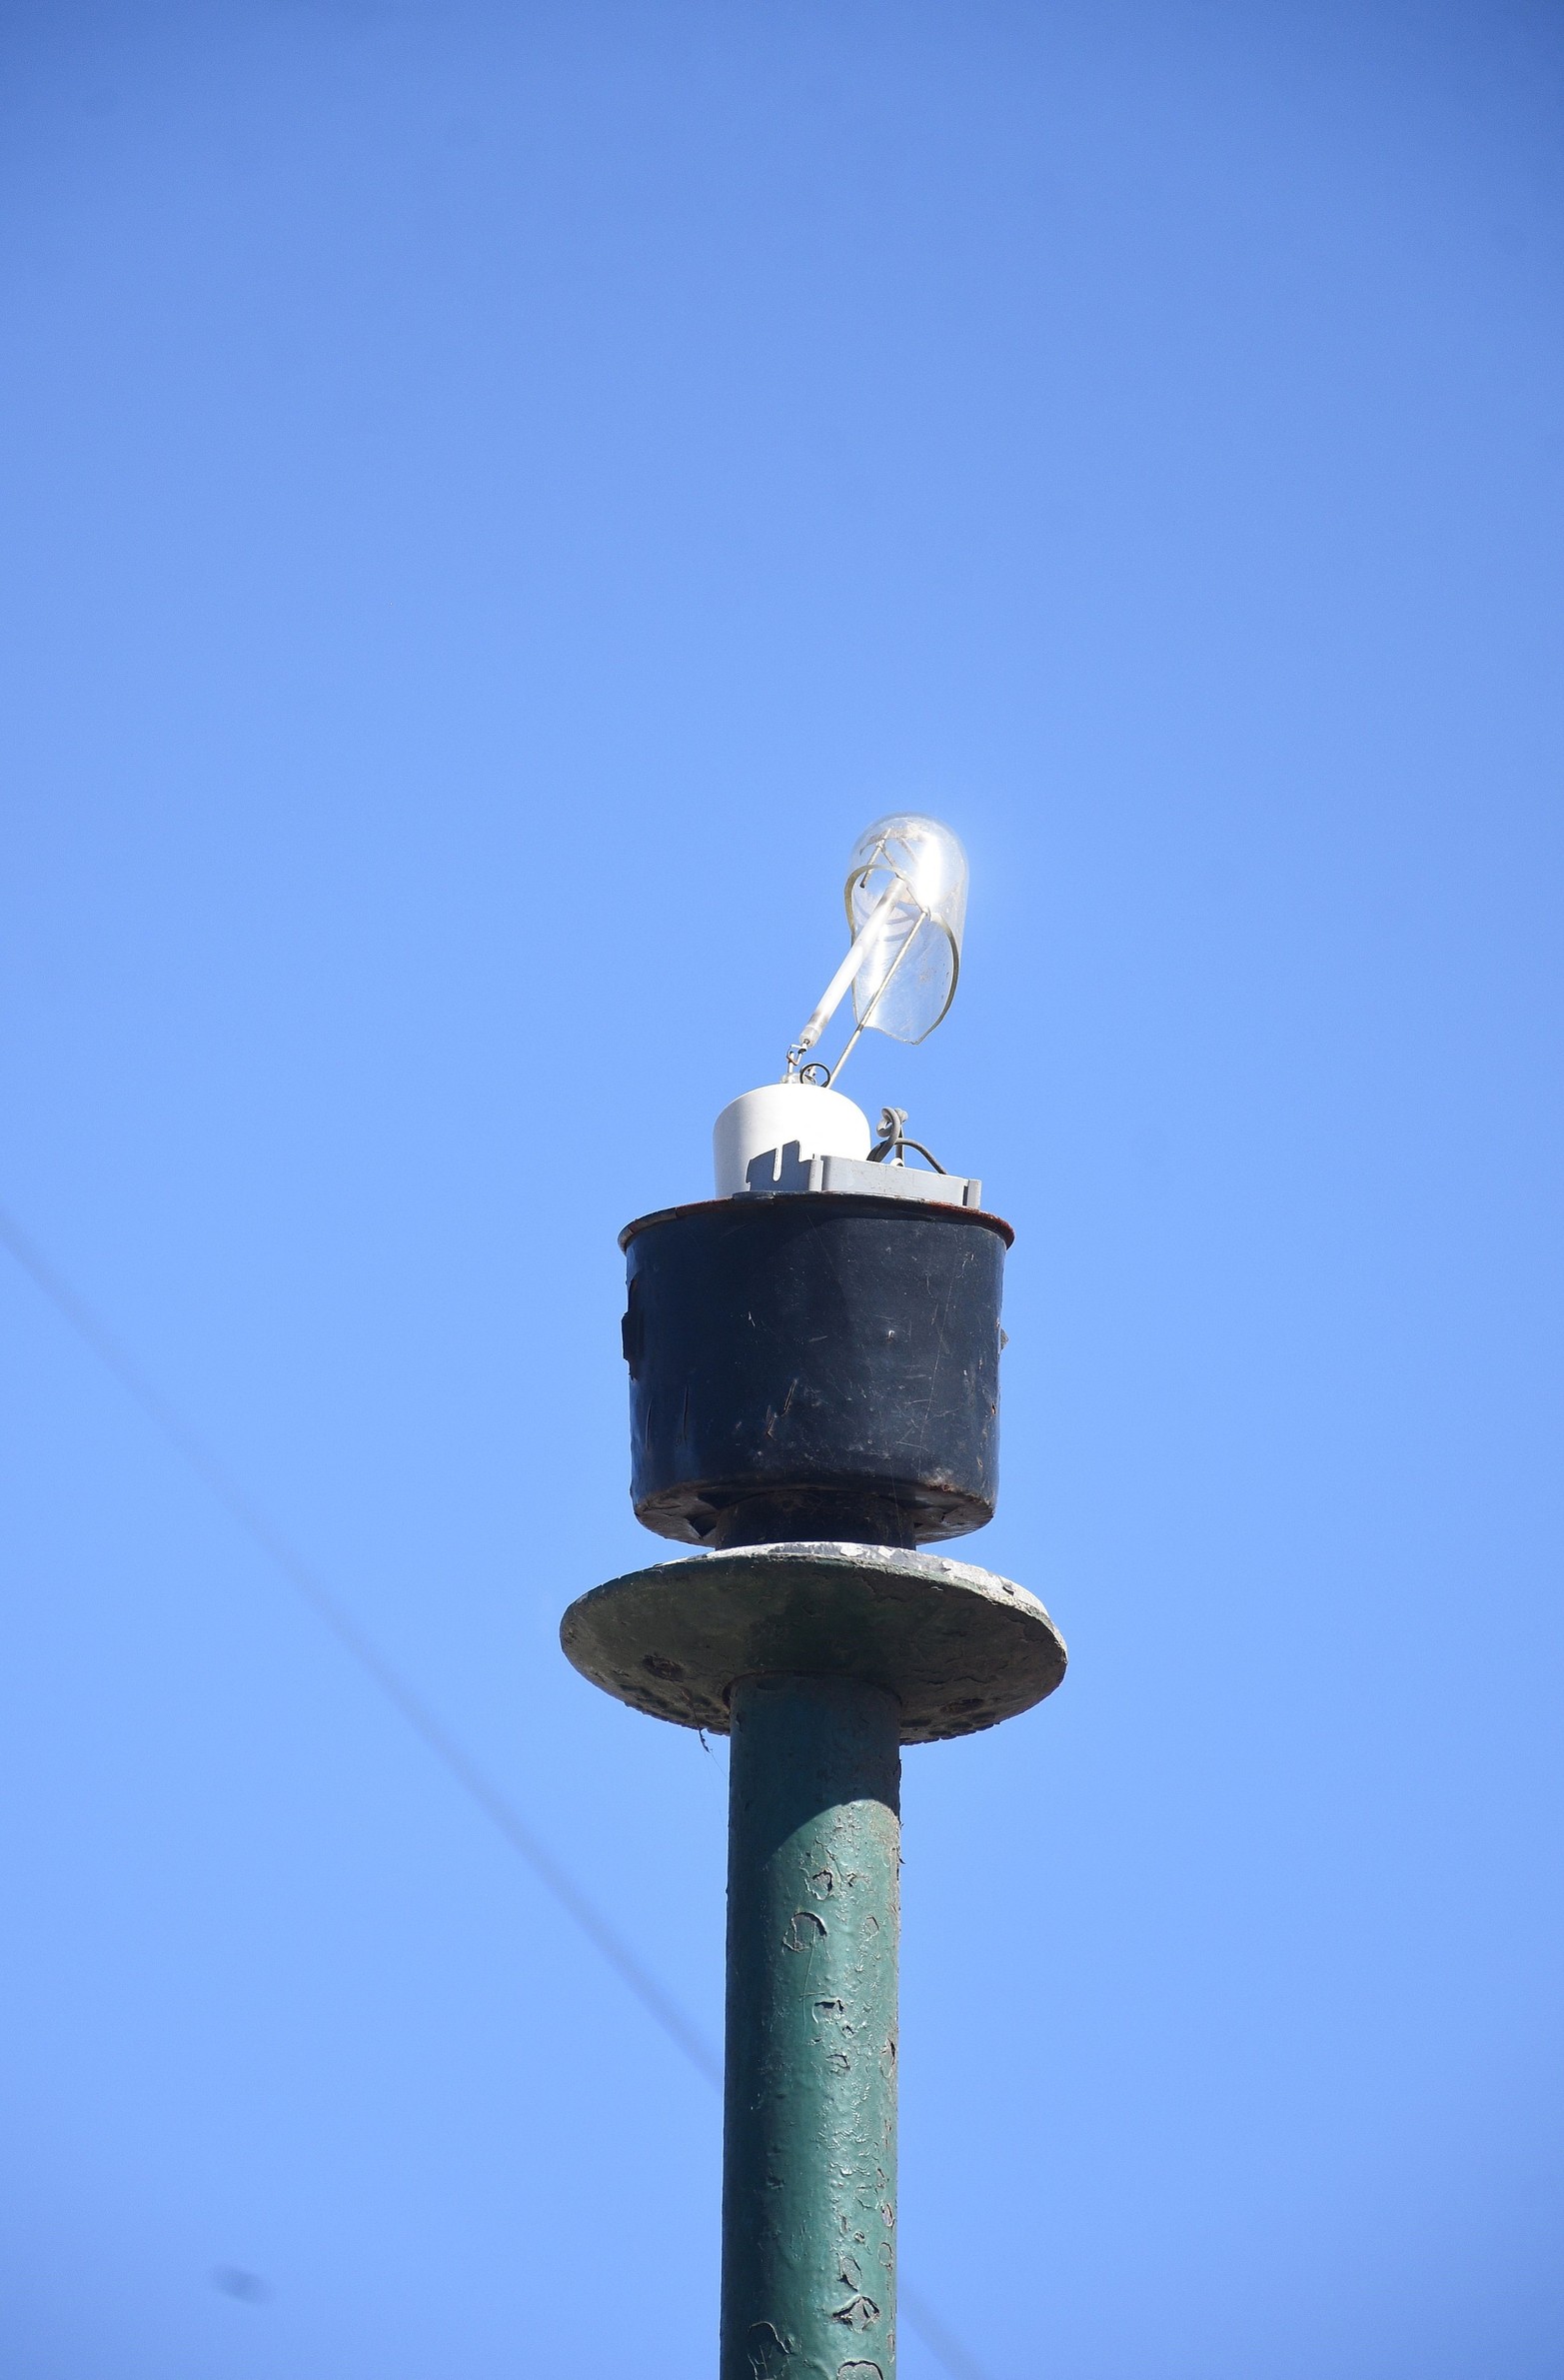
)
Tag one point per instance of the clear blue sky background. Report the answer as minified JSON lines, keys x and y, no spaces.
{"x":495,"y":498}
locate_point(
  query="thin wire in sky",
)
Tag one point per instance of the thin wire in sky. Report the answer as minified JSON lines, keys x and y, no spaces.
{"x":425,"y":1722}
{"x":496,"y":1805}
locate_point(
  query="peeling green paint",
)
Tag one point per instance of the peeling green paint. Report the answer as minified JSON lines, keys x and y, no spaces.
{"x":809,"y":2137}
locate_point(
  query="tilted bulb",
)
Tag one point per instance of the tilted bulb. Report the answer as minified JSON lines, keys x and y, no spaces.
{"x":907,"y":906}
{"x":907,"y":901}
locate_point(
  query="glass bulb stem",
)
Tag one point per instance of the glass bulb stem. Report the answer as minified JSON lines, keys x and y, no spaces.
{"x":858,"y":951}
{"x":881,"y":989}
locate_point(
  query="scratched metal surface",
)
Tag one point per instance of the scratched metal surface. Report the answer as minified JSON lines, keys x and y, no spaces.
{"x":815,"y":1346}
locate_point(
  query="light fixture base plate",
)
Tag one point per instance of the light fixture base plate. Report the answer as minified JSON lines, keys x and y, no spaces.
{"x":959,"y":1647}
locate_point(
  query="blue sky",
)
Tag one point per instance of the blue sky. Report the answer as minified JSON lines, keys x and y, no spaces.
{"x":495,"y":499}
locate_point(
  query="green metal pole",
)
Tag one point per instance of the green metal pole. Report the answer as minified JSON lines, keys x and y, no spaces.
{"x":810,"y":2125}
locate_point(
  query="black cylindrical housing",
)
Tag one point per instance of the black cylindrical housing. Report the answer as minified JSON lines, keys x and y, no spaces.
{"x":814,"y":1367}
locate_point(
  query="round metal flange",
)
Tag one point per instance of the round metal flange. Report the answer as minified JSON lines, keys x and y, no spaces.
{"x":959,"y":1648}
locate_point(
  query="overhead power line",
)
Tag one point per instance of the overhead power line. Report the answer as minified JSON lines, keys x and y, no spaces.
{"x":496,"y":1805}
{"x":425,"y":1722}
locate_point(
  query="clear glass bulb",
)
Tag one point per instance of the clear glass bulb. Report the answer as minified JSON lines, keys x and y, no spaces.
{"x":907,"y":905}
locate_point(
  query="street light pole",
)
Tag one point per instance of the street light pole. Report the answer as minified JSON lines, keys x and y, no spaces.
{"x":814,"y":1361}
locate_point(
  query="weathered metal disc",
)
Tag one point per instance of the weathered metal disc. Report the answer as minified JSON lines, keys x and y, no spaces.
{"x":959,"y":1648}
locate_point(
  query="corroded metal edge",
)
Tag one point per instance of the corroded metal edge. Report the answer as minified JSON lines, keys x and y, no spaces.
{"x":959,"y":1647}
{"x":864,"y":1201}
